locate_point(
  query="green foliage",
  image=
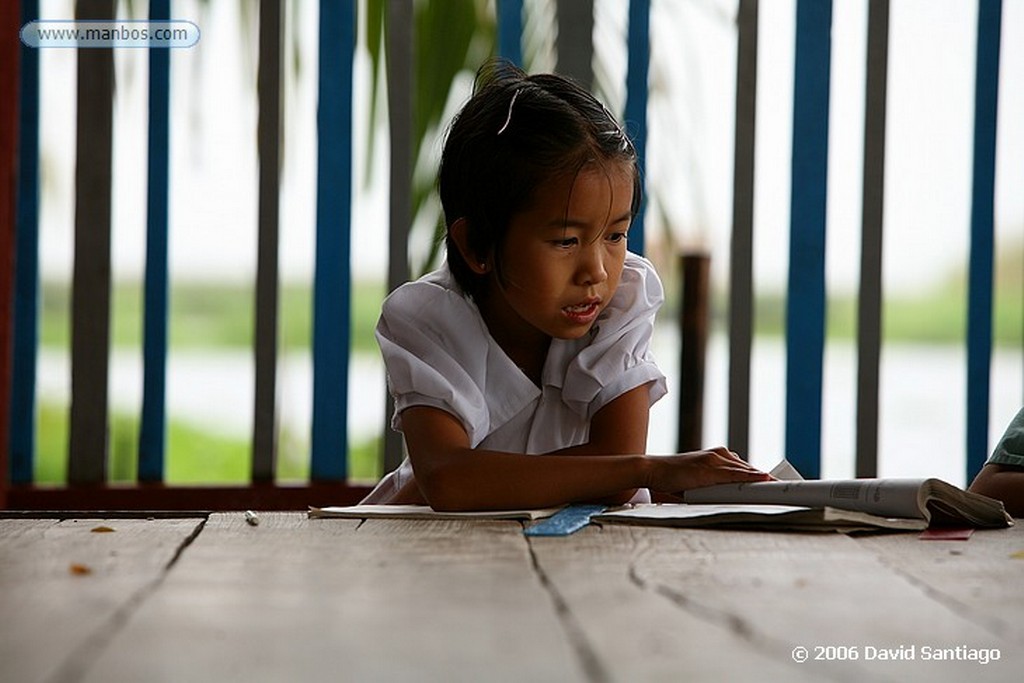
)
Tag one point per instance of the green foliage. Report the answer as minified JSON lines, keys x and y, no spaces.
{"x":208,"y":315}
{"x":451,"y":37}
{"x":936,"y":317}
{"x":194,"y":455}
{"x":51,"y":465}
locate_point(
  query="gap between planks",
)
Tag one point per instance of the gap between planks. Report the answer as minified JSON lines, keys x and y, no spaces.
{"x":76,"y":665}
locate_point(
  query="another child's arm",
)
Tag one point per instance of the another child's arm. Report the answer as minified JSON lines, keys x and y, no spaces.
{"x":1002,"y":477}
{"x":453,"y":476}
{"x":1002,"y":482}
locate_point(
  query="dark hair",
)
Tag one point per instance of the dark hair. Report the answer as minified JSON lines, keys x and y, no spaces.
{"x":516,"y":132}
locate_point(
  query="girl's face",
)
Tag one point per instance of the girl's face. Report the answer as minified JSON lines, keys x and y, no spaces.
{"x":562,"y":257}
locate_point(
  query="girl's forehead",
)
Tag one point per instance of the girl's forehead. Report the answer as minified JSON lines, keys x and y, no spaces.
{"x":608,"y":183}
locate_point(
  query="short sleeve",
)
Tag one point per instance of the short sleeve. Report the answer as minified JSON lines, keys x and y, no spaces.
{"x":618,"y":357}
{"x":437,"y":353}
{"x":1010,"y":449}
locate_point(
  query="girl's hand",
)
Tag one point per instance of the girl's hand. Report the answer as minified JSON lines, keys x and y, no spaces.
{"x":685,"y":471}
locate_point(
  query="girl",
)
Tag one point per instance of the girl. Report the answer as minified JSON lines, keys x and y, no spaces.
{"x":534,"y":337}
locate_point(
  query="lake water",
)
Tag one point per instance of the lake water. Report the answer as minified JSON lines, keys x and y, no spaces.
{"x":922,"y":424}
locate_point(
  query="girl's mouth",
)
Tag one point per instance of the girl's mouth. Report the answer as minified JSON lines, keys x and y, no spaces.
{"x":584,"y":313}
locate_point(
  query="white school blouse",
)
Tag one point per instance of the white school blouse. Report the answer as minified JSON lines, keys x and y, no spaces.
{"x":438,"y":352}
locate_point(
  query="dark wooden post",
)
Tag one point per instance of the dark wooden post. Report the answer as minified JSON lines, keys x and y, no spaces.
{"x":268,"y":85}
{"x":91,"y":280}
{"x":869,"y":303}
{"x":741,"y":252}
{"x":696,"y":268}
{"x":575,"y":40}
{"x":401,"y":84}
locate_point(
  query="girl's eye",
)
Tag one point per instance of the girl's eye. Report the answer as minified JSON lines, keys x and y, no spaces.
{"x":616,"y":237}
{"x":567,"y":242}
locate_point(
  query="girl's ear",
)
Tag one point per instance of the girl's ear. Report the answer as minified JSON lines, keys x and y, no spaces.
{"x":459,"y":231}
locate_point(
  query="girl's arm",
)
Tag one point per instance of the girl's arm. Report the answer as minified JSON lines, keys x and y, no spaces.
{"x":453,"y":476}
{"x":619,"y":428}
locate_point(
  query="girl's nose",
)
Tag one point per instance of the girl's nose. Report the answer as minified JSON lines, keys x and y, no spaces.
{"x":591,"y":268}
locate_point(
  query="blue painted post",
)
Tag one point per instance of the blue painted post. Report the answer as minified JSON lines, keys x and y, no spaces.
{"x":805,"y":311}
{"x":332,"y":279}
{"x":635,"y":117}
{"x":26,"y":282}
{"x":152,"y":431}
{"x":510,"y":30}
{"x":979,"y":304}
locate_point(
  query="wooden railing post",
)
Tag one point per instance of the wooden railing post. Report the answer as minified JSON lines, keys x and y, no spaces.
{"x":91,"y":281}
{"x":264,"y":439}
{"x":741,"y":250}
{"x":575,"y":41}
{"x":805,"y":305}
{"x":869,"y":302}
{"x":153,"y":424}
{"x":22,"y":428}
{"x":980,"y":272}
{"x":696,"y":269}
{"x":401,"y":86}
{"x":635,"y":117}
{"x":332,"y":278}
{"x":510,"y":30}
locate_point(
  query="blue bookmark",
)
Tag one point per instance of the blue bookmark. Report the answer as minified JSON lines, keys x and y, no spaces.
{"x":566,"y":521}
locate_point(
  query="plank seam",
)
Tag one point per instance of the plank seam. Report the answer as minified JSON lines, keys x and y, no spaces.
{"x":771,"y":647}
{"x":961,"y":609}
{"x":184,"y":544}
{"x":591,"y":663}
{"x":77,"y":665}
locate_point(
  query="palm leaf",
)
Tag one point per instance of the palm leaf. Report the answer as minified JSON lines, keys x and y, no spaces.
{"x":452,"y":37}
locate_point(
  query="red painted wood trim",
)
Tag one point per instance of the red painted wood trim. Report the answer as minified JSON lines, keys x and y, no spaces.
{"x":10,"y":17}
{"x":184,"y":498}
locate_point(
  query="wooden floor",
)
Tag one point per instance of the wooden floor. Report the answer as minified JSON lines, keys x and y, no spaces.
{"x":293,"y":599}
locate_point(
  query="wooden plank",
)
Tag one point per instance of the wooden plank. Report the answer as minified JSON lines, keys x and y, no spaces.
{"x":772,"y":593}
{"x":741,"y":250}
{"x":153,"y":424}
{"x":332,"y":278}
{"x":980,"y":272}
{"x":638,"y":44}
{"x":970,"y":578}
{"x":268,"y":134}
{"x":401,"y":86}
{"x":90,"y":297}
{"x":26,"y":273}
{"x":65,"y":590}
{"x":805,"y":298}
{"x":869,"y":302}
{"x":632,"y":628}
{"x":300,"y":599}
